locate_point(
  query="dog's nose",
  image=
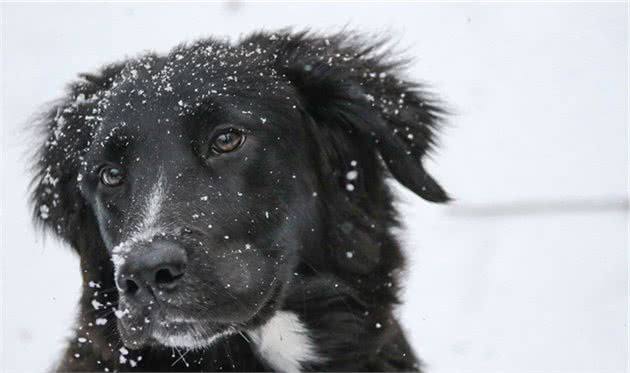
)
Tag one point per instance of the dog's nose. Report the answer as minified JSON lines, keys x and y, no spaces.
{"x":159,"y":266}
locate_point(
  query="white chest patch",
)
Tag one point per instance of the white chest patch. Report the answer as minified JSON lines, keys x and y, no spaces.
{"x":283,"y":343}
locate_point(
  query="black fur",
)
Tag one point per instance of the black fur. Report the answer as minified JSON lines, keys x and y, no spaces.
{"x":314,"y":109}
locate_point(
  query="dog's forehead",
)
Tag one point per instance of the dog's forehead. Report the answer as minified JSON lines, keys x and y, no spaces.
{"x":188,"y":77}
{"x":154,"y":90}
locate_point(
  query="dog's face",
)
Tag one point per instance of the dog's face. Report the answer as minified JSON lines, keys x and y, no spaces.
{"x":203,"y":202}
{"x":200,"y":181}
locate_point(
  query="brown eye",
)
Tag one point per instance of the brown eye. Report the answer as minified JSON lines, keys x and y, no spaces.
{"x":226,"y":142}
{"x":111,"y":176}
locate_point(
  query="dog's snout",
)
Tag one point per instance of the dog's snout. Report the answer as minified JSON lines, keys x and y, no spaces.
{"x":157,"y":267}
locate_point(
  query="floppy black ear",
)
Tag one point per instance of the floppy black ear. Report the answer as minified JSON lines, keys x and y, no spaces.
{"x":409,"y":170}
{"x":67,"y":129}
{"x":345,"y":81}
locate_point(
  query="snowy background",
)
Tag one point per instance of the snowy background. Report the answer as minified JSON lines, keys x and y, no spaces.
{"x":527,"y":271}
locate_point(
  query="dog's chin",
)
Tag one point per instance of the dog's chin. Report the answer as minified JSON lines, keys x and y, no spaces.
{"x":188,"y":340}
{"x":192,"y":335}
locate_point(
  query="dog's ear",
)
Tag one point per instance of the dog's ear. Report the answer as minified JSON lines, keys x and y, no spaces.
{"x":346,"y":82}
{"x":67,"y":129}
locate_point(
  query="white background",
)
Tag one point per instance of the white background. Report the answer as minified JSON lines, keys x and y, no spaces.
{"x":527,"y":271}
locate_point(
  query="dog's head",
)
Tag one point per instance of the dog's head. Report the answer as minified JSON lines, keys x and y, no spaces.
{"x":197,"y":182}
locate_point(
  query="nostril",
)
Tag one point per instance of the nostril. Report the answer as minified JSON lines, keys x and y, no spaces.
{"x":167,"y":276}
{"x":131,"y":286}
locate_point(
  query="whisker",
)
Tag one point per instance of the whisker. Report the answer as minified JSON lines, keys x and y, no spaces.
{"x":244,"y":337}
{"x":181,"y":357}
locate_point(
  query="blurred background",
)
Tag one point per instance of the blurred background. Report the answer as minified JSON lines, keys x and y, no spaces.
{"x":526,"y":271}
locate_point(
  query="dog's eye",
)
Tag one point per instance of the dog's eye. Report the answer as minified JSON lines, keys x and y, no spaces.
{"x":111,"y":176}
{"x":228,"y":141}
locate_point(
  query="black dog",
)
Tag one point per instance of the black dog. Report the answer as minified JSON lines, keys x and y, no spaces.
{"x":229,"y":206}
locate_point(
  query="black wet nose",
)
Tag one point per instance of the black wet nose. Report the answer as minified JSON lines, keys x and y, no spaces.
{"x":156,"y":267}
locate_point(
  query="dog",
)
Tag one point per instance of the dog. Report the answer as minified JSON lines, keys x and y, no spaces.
{"x":229,"y":204}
